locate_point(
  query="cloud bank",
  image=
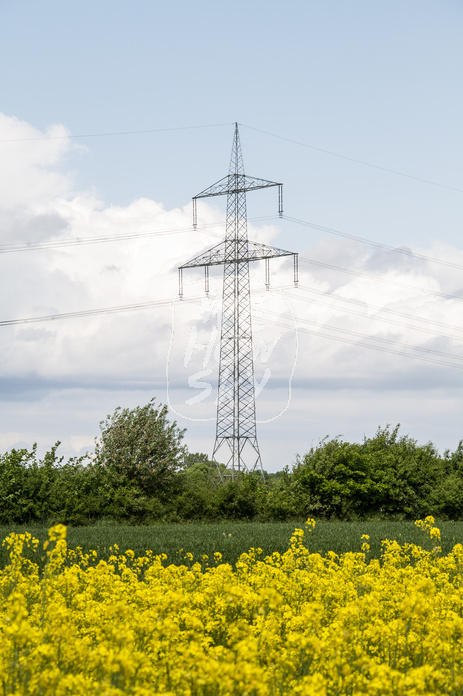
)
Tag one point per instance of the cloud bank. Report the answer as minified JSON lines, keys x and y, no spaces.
{"x":345,"y":352}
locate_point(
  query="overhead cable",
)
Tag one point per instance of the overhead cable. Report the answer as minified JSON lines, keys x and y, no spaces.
{"x":434,"y":332}
{"x":371,"y":347}
{"x":379,"y":339}
{"x":353,"y":159}
{"x":378,"y":279}
{"x":166,"y":302}
{"x":82,"y":241}
{"x":100,"y":135}
{"x":380,"y":245}
{"x":229,"y":123}
{"x":94,"y":312}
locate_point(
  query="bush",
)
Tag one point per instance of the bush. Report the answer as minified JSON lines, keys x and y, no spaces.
{"x":384,"y":475}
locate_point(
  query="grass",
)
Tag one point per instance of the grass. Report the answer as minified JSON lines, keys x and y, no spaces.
{"x":233,"y":538}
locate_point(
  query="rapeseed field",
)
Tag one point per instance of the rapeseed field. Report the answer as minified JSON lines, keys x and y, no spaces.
{"x":296,"y":622}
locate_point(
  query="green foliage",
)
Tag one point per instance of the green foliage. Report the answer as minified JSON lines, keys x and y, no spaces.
{"x":141,"y":473}
{"x":32,"y":489}
{"x":193,"y":458}
{"x":141,"y":447}
{"x":238,"y":500}
{"x":196,"y":500}
{"x":384,"y":475}
{"x":279,"y":502}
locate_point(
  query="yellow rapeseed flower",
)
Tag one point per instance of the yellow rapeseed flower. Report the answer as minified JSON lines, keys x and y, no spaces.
{"x":293,"y":623}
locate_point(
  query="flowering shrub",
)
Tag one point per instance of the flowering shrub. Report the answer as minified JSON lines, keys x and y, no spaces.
{"x":293,"y":623}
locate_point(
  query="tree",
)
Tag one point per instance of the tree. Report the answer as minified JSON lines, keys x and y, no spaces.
{"x":386,"y":474}
{"x":141,"y":447}
{"x":193,"y":458}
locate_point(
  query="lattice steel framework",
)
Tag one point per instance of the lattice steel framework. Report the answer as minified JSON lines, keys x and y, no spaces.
{"x":236,"y":437}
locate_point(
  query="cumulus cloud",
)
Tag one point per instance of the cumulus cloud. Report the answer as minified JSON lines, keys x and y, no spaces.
{"x":58,"y":379}
{"x":29,"y":175}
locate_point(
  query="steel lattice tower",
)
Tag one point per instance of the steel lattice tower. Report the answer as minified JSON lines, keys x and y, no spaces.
{"x":236,"y":435}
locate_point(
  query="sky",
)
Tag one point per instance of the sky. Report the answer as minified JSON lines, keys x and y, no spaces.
{"x":114,"y":114}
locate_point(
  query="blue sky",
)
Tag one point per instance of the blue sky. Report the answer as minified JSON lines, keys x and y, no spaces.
{"x":371,"y":81}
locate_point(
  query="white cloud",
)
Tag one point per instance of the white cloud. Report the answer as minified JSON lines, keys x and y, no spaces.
{"x":29,"y":175}
{"x":58,"y":379}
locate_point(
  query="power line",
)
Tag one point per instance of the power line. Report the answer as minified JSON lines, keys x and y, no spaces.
{"x":387,"y":321}
{"x":153,"y":303}
{"x":161,"y":303}
{"x":310,"y":290}
{"x":377,"y":279}
{"x":157,"y":303}
{"x":363,"y":240}
{"x":431,"y":351}
{"x":435,"y":332}
{"x":357,"y":161}
{"x":218,"y":125}
{"x":81,"y":241}
{"x":371,"y":347}
{"x":100,"y":135}
{"x":94,"y":312}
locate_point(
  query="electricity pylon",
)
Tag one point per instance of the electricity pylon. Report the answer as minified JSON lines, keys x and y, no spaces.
{"x":236,"y":407}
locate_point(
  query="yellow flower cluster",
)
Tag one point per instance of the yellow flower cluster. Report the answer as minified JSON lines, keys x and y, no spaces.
{"x":294,"y":623}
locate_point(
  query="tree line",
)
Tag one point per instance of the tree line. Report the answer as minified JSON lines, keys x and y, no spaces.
{"x":141,"y":472}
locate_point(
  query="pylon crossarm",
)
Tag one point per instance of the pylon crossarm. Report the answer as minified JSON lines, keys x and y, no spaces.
{"x":232,"y":183}
{"x":257,"y":251}
{"x":211,"y":257}
{"x":217,"y":255}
